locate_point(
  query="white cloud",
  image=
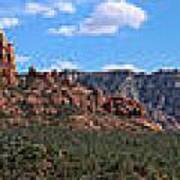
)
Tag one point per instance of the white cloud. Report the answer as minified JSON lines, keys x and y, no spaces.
{"x":63,"y":30}
{"x":61,"y":65}
{"x":66,"y":7}
{"x":8,"y":22}
{"x":37,"y":8}
{"x":49,"y":10}
{"x":109,"y":17}
{"x":111,"y":67}
{"x":22,"y":58}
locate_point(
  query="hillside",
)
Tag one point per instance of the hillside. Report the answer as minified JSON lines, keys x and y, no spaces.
{"x":55,"y":101}
{"x":158,"y":91}
{"x":53,"y":152}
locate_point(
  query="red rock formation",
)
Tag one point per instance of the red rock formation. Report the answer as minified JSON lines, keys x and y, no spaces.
{"x":123,"y":106}
{"x":7,"y":59}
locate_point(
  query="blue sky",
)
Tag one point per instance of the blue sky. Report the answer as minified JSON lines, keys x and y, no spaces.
{"x":93,"y":35}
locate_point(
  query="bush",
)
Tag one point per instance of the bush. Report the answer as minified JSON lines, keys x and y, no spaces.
{"x":4,"y":115}
{"x":52,"y":152}
{"x":67,"y":109}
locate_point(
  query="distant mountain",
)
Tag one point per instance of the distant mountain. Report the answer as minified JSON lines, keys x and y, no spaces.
{"x":158,"y":91}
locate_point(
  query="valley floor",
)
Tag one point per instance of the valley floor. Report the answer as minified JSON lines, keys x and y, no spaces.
{"x":59,"y":152}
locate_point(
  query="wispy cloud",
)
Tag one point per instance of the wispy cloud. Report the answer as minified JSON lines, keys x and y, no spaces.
{"x":67,"y":7}
{"x":8,"y":22}
{"x":49,"y":10}
{"x":110,"y":67}
{"x":108,"y":18}
{"x":63,"y":30}
{"x":61,"y":65}
{"x":37,"y":8}
{"x":22,"y":58}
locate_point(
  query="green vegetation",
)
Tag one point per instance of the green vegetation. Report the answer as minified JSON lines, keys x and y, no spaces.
{"x":4,"y":115}
{"x":66,"y":110}
{"x":1,"y":81}
{"x":54,"y":152}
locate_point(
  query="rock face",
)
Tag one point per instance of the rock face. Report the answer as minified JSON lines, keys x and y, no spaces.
{"x":123,"y":106}
{"x":46,"y":98}
{"x":154,"y":96}
{"x":7,"y":60}
{"x":159,"y":91}
{"x":40,"y":94}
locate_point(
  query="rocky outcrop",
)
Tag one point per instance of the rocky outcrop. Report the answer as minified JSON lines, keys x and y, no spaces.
{"x":158,"y":91}
{"x":50,"y":101}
